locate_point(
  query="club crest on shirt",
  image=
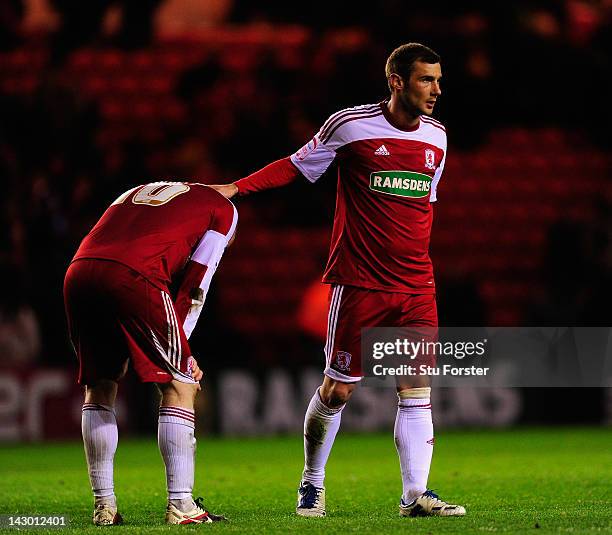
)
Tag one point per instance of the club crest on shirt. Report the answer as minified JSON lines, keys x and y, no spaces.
{"x":430,"y":159}
{"x":307,"y":149}
{"x":343,"y":360}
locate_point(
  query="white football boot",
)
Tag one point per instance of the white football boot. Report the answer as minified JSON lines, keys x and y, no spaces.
{"x":105,"y":514}
{"x":310,"y":500}
{"x":429,"y":504}
{"x":196,"y":515}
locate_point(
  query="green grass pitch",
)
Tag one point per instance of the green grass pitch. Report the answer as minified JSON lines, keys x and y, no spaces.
{"x":511,"y":481}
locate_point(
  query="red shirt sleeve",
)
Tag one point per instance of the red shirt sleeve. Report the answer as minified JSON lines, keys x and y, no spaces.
{"x":278,"y":173}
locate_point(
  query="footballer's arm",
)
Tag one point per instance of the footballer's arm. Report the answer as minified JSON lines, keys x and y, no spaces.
{"x":311,"y":161}
{"x":274,"y":175}
{"x":201,"y":267}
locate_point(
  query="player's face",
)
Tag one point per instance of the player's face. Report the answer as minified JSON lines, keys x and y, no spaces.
{"x":420,"y":93}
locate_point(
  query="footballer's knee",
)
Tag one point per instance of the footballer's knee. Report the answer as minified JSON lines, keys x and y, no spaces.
{"x":414,"y":393}
{"x":102,"y":392}
{"x":418,"y":382}
{"x":177,"y":394}
{"x":334,"y":394}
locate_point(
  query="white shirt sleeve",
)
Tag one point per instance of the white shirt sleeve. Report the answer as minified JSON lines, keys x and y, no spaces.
{"x":208,"y":253}
{"x":313,"y":159}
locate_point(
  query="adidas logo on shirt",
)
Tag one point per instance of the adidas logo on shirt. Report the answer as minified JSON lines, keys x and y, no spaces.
{"x":382,"y":151}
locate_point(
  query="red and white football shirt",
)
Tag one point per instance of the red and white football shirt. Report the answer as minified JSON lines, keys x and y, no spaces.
{"x":167,"y":232}
{"x":387,"y":180}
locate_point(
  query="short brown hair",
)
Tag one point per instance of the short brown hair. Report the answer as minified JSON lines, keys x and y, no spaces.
{"x":402,"y":59}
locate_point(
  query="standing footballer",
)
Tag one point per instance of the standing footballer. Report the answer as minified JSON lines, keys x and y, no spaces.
{"x":390,"y":159}
{"x":120,"y":307}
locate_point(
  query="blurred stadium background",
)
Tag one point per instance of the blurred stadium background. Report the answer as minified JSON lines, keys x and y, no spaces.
{"x":99,"y":96}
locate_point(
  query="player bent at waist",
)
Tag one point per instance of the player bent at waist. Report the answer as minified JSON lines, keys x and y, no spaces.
{"x":119,"y":308}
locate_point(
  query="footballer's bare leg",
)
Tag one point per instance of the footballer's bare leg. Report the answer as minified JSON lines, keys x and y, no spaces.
{"x":177,"y":445}
{"x":177,"y":394}
{"x":321,"y":425}
{"x":100,"y":437}
{"x":414,"y":441}
{"x":334,"y":393}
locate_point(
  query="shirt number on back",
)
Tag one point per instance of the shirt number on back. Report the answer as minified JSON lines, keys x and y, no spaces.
{"x":155,"y":194}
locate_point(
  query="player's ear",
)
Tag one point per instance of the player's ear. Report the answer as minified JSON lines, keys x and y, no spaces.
{"x":396,"y":82}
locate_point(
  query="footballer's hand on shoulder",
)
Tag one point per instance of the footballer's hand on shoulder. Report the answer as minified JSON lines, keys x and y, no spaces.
{"x":227,"y":190}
